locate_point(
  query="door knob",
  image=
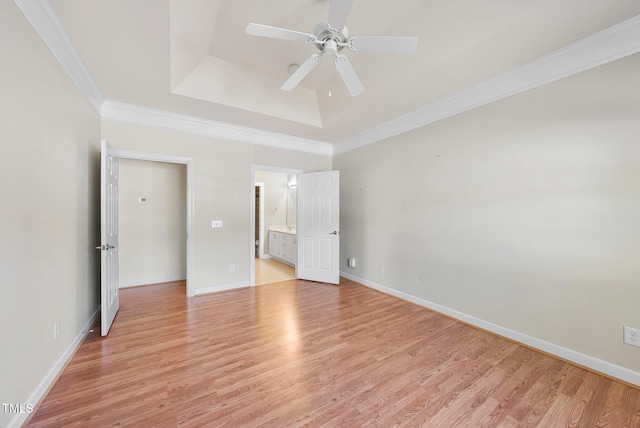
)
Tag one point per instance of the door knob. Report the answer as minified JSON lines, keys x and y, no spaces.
{"x":335,"y":232}
{"x":105,"y":247}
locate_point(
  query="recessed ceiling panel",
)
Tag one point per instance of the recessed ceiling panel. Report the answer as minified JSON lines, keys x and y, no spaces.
{"x":222,"y":82}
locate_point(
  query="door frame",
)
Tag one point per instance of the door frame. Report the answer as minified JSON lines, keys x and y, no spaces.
{"x":261,"y":221}
{"x":190,"y":163}
{"x":252,"y":225}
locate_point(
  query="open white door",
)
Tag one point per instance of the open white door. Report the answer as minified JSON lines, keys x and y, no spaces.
{"x":109,"y":293}
{"x":318,"y":227}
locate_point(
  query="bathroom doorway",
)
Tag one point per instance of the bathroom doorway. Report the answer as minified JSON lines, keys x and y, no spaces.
{"x":273,"y":224}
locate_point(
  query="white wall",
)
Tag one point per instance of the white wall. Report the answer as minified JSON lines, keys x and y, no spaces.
{"x":224,"y":190}
{"x":275,"y":201}
{"x":49,"y":214}
{"x":523,"y":214}
{"x":152,"y":237}
{"x":292,"y":201}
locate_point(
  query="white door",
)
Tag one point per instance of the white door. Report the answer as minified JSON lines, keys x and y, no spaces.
{"x":319,"y":227}
{"x":109,"y":295}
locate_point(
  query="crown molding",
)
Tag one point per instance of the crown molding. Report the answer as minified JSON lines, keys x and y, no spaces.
{"x":135,"y":115}
{"x":44,"y":19}
{"x":603,"y":47}
{"x":600,"y":48}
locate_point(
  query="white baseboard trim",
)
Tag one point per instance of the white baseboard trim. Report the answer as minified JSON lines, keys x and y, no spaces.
{"x":578,"y":358}
{"x":141,"y":282}
{"x":53,"y":373}
{"x":223,"y":287}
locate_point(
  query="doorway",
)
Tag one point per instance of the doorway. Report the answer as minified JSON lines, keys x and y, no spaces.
{"x":188,"y":204}
{"x":273,"y":208}
{"x":152,"y":221}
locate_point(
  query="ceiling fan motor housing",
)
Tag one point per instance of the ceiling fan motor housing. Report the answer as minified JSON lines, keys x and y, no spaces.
{"x":331,"y":40}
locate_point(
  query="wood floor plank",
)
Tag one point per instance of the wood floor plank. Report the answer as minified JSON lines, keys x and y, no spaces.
{"x":299,"y":353}
{"x":271,"y":270}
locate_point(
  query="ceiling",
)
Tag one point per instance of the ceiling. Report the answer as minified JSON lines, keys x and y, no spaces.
{"x":192,"y":59}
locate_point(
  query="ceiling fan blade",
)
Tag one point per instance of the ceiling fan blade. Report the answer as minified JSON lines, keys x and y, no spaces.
{"x":349,"y":76}
{"x":338,"y":13}
{"x":301,"y":72}
{"x":279,"y":33}
{"x":400,"y":45}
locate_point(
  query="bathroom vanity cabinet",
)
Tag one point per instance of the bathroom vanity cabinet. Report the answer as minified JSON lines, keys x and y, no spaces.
{"x":283,"y":245}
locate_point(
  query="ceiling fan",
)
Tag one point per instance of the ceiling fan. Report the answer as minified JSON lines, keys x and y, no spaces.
{"x":330,"y":37}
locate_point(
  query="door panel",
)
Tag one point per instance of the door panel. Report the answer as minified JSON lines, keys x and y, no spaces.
{"x":326,"y":245}
{"x":308,"y":257}
{"x":109,"y":291}
{"x":319,"y":227}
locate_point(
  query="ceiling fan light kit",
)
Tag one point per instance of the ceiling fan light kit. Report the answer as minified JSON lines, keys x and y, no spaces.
{"x":330,"y":37}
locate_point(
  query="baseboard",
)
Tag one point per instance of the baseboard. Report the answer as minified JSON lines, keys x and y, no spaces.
{"x":224,"y":287}
{"x":138,"y":283}
{"x":53,"y":373}
{"x":587,"y":361}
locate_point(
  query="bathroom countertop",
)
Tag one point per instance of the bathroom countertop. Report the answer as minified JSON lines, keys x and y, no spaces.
{"x":284,"y":229}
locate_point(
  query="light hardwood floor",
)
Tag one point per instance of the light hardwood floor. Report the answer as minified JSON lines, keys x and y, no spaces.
{"x":299,"y":353}
{"x":271,"y":270}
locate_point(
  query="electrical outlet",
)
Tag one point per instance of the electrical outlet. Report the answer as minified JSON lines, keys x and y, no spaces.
{"x":631,"y":336}
{"x":381,"y":269}
{"x":232,"y":267}
{"x":352,"y":262}
{"x":216,"y":223}
{"x":56,"y":330}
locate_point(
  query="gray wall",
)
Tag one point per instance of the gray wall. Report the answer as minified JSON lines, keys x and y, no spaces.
{"x":523,"y":213}
{"x":49,"y":214}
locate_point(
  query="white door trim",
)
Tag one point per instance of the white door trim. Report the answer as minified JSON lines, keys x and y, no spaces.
{"x":252,"y":199}
{"x":190,"y":163}
{"x":261,"y":220}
